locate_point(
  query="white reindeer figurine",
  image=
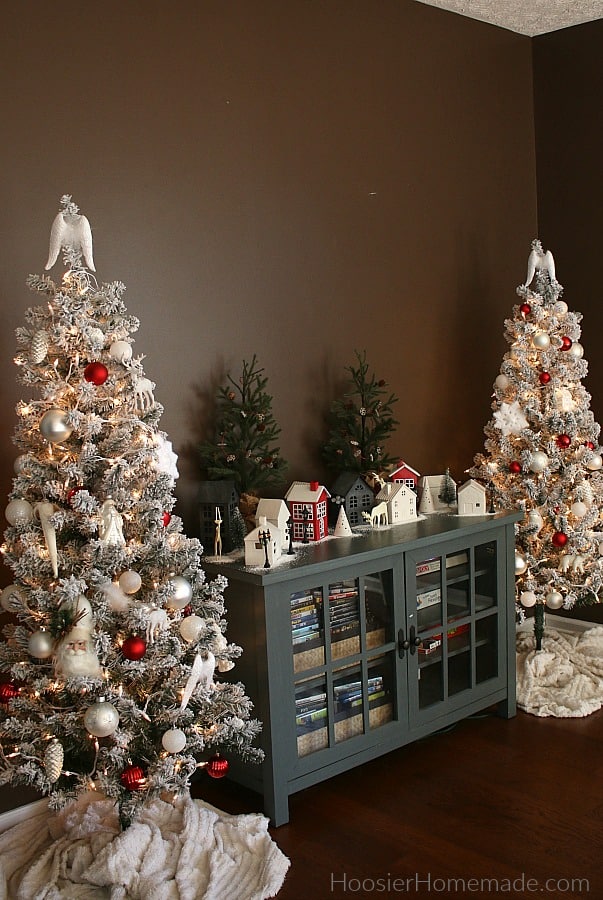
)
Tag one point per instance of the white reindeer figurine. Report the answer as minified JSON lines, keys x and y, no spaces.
{"x":378,"y":515}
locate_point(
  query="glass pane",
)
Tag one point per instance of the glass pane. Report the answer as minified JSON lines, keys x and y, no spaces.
{"x":311,"y":716}
{"x":381,"y":690}
{"x":429,"y":593}
{"x":459,"y":658}
{"x":430,"y":672}
{"x":307,"y":629}
{"x":348,"y":699}
{"x":485,"y":576}
{"x":378,"y":601}
{"x":458,"y":587}
{"x":486,"y":648}
{"x":344,"y":618}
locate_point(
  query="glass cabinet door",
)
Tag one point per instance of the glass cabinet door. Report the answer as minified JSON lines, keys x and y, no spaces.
{"x":344,"y":659}
{"x":457,"y":596}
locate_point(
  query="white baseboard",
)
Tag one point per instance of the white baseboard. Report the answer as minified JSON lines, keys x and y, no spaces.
{"x":14,"y":816}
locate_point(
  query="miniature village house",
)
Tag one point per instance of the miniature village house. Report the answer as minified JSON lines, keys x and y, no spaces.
{"x":404,"y":474}
{"x":471,"y":499}
{"x":401,"y":502}
{"x":307,"y":502}
{"x":276,"y":514}
{"x":263,"y":544}
{"x":217,"y":499}
{"x":357,"y":497}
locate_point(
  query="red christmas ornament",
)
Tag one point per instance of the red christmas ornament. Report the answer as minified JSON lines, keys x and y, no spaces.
{"x":590,"y":445}
{"x":187,"y":611}
{"x":96,"y":373}
{"x":73,"y":491}
{"x":133,"y":778}
{"x":8,"y":690}
{"x":515,"y":467}
{"x":544,"y":377}
{"x":134,"y":647}
{"x":566,"y":343}
{"x":563,"y":441}
{"x":559,"y":539}
{"x":166,"y":519}
{"x":217,"y":766}
{"x":525,"y":309}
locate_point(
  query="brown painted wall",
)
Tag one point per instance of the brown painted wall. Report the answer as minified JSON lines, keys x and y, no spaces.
{"x":568,"y":87}
{"x":291,"y":179}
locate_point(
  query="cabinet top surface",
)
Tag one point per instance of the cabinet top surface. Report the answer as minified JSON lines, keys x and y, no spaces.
{"x":373,"y":544}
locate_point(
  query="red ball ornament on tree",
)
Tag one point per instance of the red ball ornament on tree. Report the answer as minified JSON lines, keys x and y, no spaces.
{"x":96,"y":373}
{"x":563,"y":441}
{"x":525,"y":309}
{"x":515,"y":467}
{"x":134,"y":647}
{"x":544,"y":377}
{"x":217,"y":766}
{"x":166,"y":519}
{"x":590,"y":445}
{"x":566,"y":343}
{"x":133,"y":778}
{"x":559,"y":539}
{"x":72,"y":492}
{"x":8,"y":690}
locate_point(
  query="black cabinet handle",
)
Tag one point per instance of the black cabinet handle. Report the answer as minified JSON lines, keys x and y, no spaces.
{"x":403,"y":643}
{"x":415,"y":640}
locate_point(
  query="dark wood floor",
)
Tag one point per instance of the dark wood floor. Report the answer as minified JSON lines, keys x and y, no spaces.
{"x":489,"y":799}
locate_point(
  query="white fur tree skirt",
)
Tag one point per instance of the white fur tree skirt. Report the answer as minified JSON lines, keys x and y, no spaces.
{"x":565,"y":678}
{"x":187,"y":850}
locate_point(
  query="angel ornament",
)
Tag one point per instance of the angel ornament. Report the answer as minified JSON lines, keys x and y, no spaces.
{"x":110,"y":529}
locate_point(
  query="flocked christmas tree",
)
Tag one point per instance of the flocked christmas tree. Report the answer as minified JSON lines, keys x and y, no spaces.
{"x":245,"y":448}
{"x":542,"y":450}
{"x":360,"y":423}
{"x":111,"y":669}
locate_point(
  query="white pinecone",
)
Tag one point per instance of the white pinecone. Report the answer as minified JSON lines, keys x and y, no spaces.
{"x":53,"y":760}
{"x":39,"y":347}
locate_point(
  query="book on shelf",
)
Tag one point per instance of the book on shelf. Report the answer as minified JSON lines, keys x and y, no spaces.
{"x":433,"y":564}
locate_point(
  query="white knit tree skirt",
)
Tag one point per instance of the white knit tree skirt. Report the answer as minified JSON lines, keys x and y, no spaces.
{"x":185,"y":850}
{"x":565,"y":678}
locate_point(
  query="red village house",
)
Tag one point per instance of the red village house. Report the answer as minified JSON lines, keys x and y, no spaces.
{"x":404,"y":474}
{"x":307,"y":502}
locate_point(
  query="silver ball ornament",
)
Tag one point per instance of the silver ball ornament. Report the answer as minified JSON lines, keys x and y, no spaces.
{"x":191,"y":627}
{"x":576,"y":350}
{"x":501,"y":382}
{"x":180,"y":592}
{"x":594,"y":463}
{"x":174,"y":740}
{"x":54,"y":427}
{"x":19,"y":512}
{"x":541,"y":340}
{"x":539,"y":461}
{"x":554,"y":600}
{"x":520,"y":563}
{"x":41,"y":644}
{"x":560,"y":307}
{"x":101,"y":719}
{"x":130,"y":581}
{"x":579,"y":509}
{"x":527,"y":599}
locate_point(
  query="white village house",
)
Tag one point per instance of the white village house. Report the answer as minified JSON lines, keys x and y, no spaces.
{"x":471,"y":499}
{"x":401,"y":502}
{"x":256,"y":551}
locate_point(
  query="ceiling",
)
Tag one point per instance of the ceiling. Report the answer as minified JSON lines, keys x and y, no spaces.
{"x":530,"y":17}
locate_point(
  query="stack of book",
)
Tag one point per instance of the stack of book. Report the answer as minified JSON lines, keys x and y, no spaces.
{"x":311,"y":712}
{"x":349,"y":695}
{"x":343,"y":610}
{"x":306,"y":619}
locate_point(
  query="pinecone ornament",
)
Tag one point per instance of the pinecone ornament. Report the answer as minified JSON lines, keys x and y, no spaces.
{"x":53,"y":760}
{"x":39,"y":347}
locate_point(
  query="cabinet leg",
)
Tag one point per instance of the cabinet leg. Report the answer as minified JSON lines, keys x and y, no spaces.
{"x":507,"y":708}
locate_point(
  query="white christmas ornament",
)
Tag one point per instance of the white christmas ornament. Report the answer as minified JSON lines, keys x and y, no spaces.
{"x":180,"y":592}
{"x":174,"y":740}
{"x":44,"y":511}
{"x":561,"y":308}
{"x":76,"y":656}
{"x":143,"y":394}
{"x":538,"y":461}
{"x":73,"y":232}
{"x":20,"y":463}
{"x":166,"y":458}
{"x":117,"y":601}
{"x":541,"y":340}
{"x":156,"y":623}
{"x":564,"y":402}
{"x":19,"y":512}
{"x":510,"y":418}
{"x":41,"y":644}
{"x":527,"y":599}
{"x":191,"y":627}
{"x":81,"y":611}
{"x":39,"y":347}
{"x":576,"y":350}
{"x":101,"y":719}
{"x":342,"y":526}
{"x":579,"y":509}
{"x":535,"y":519}
{"x":110,"y":528}
{"x":10,"y":596}
{"x":130,"y":581}
{"x":594,"y":463}
{"x":520,"y":564}
{"x":554,"y":600}
{"x":53,"y":760}
{"x":501,"y":382}
{"x":202,"y":673}
{"x":121,"y":352}
{"x":54,"y":427}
